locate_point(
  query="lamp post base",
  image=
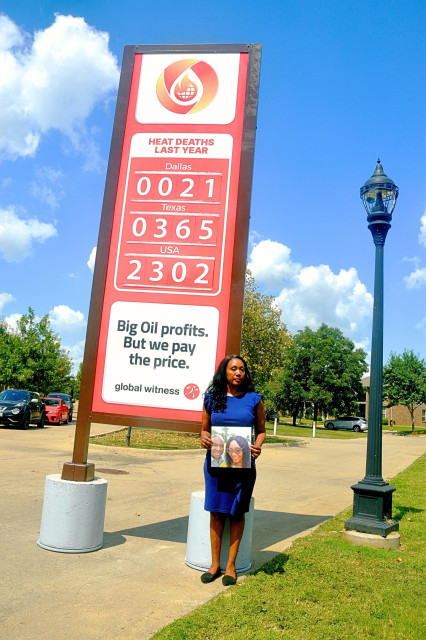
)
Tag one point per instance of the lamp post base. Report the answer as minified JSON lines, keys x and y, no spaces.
{"x":392,"y":541}
{"x":372,"y":513}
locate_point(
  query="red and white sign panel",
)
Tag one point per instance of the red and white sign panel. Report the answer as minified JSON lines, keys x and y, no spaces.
{"x":165,"y":310}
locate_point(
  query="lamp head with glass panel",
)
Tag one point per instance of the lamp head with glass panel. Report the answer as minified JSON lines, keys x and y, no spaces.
{"x":379,"y":194}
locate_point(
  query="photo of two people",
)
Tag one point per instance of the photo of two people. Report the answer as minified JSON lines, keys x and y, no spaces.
{"x":231,"y":447}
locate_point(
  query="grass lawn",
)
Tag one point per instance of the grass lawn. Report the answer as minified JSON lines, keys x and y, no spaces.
{"x":304,"y":430}
{"x":156,"y":439}
{"x":150,"y":439}
{"x":169,"y":440}
{"x":405,"y":430}
{"x":324,"y":588}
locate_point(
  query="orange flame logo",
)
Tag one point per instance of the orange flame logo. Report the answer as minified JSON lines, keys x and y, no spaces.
{"x":187,"y":86}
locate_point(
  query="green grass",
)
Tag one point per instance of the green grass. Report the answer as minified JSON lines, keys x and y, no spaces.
{"x":150,"y":439}
{"x":405,"y":430}
{"x":324,"y":588}
{"x":305,"y":431}
{"x":174,"y":440}
{"x":157,"y":439}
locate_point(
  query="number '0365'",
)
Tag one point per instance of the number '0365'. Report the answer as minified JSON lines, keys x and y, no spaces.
{"x":161,"y":227}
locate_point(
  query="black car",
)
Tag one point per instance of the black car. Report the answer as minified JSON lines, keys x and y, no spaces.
{"x":21,"y":408}
{"x":68,"y":401}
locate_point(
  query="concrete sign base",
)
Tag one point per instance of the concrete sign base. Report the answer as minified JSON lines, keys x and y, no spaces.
{"x":198,"y":551}
{"x":73,"y":515}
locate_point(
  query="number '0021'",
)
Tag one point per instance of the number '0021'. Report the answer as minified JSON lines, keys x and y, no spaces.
{"x":165,"y":187}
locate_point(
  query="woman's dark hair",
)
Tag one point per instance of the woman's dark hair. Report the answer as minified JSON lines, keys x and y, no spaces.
{"x":218,"y":386}
{"x":242,"y":442}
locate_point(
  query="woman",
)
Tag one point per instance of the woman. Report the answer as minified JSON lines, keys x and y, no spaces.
{"x":237,"y":454}
{"x":230,"y":400}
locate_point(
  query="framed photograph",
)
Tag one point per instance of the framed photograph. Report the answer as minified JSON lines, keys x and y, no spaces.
{"x":231,"y":447}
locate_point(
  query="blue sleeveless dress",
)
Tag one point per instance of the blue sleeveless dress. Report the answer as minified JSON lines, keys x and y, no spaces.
{"x":227,"y":490}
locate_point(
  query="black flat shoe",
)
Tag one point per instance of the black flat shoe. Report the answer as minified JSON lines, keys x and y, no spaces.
{"x":228,"y":580}
{"x":209,"y":577}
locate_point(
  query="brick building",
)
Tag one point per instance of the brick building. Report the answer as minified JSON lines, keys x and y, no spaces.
{"x":399,"y":414}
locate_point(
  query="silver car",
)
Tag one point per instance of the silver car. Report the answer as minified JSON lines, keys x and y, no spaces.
{"x":353,"y":423}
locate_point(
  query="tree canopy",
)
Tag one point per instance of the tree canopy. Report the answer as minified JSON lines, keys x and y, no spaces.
{"x":31,"y":356}
{"x":77,"y":382}
{"x":322,"y":369}
{"x":264,"y":335}
{"x":404,"y":381}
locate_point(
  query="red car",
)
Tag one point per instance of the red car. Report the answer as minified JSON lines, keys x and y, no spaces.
{"x":56,"y":410}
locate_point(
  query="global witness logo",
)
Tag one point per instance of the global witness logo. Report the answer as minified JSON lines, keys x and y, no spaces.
{"x":187,"y":86}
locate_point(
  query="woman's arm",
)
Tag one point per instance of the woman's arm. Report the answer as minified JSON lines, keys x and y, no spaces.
{"x":259,"y":430}
{"x":206,"y":442}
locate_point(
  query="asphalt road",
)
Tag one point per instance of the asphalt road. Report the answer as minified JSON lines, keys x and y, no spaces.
{"x":138,"y":582}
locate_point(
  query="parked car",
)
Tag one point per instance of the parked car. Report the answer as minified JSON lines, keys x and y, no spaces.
{"x":68,"y":401}
{"x":19,"y":408}
{"x":56,"y":410}
{"x":353,"y":423}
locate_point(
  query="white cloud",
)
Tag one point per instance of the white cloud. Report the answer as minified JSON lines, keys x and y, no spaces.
{"x":313,"y":294}
{"x":48,"y":186}
{"x":10,"y":35}
{"x":52,"y":82}
{"x":4,"y":299}
{"x":13,"y":319}
{"x":422,"y":325}
{"x":416,"y":260}
{"x":422,"y":235}
{"x":66,"y":320}
{"x":18,"y":234}
{"x":416,"y":279}
{"x":91,"y":260}
{"x":76,"y":353}
{"x":271,"y":263}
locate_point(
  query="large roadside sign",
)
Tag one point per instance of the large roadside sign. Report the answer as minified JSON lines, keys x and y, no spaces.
{"x":168,"y":285}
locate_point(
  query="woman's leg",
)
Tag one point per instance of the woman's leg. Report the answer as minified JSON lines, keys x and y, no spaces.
{"x":236,"y":533}
{"x":217,"y":523}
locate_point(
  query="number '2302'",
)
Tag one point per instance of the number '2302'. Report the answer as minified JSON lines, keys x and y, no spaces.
{"x":166,"y":272}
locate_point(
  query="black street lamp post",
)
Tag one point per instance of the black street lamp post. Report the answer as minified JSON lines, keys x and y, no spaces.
{"x":372,"y":511}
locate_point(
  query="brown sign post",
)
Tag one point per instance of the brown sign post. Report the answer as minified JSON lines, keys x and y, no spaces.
{"x":168,"y":285}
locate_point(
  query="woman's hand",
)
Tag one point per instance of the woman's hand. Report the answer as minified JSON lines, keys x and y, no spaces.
{"x":206,"y":442}
{"x":255,"y":451}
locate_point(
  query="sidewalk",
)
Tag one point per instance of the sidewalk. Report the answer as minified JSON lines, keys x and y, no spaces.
{"x":138,"y":582}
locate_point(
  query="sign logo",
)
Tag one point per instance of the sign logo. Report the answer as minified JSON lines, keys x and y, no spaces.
{"x":187,"y":86}
{"x":191,"y":391}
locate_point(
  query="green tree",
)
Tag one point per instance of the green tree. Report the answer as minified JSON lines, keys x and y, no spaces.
{"x":264,"y":335}
{"x":284,"y":393}
{"x":9,"y":355}
{"x":77,"y":382}
{"x":31,"y":356}
{"x":404,"y":381}
{"x":322,"y":368}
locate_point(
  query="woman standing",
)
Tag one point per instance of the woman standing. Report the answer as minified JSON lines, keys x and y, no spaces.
{"x":230,"y":400}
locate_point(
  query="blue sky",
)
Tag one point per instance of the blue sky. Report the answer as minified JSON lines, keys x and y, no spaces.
{"x":342,"y":83}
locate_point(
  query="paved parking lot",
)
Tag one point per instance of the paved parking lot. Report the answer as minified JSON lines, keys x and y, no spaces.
{"x":138,"y":582}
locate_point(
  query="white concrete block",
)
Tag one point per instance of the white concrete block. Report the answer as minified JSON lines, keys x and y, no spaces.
{"x":73,"y":515}
{"x":198,"y":550}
